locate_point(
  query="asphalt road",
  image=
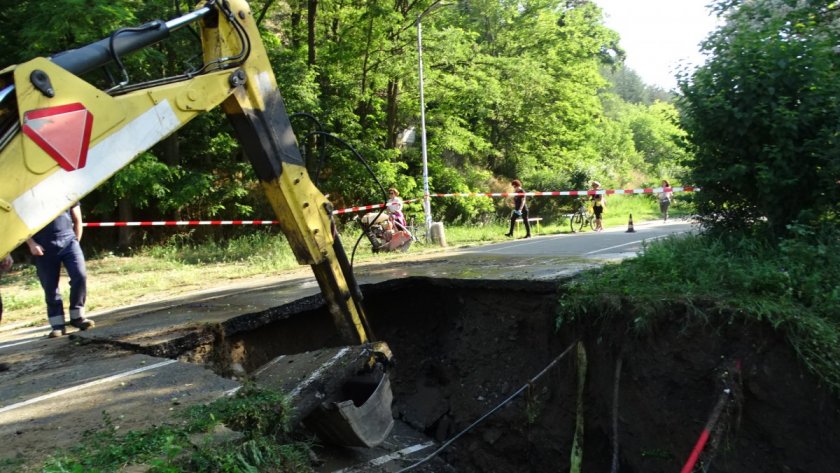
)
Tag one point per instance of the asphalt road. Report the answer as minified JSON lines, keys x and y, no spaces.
{"x":611,"y":243}
{"x":57,"y":388}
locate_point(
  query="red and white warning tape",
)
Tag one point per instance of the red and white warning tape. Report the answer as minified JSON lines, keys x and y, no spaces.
{"x":647,"y":190}
{"x":172,"y":223}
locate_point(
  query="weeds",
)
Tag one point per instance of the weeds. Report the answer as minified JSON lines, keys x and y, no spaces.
{"x":791,"y":285}
{"x":261,"y":417}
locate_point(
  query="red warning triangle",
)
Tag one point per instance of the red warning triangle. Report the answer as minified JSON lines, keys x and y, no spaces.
{"x":62,"y":131}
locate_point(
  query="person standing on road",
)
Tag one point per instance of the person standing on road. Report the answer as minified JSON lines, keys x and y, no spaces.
{"x":520,"y":209}
{"x":599,"y":203}
{"x":54,"y":245}
{"x":665,"y":198}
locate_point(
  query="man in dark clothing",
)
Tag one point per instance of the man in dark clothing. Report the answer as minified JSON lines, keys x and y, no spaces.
{"x":520,"y":209}
{"x":52,"y":246}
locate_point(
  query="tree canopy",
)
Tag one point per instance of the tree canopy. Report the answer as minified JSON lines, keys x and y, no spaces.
{"x":763,"y":115}
{"x":532,"y":90}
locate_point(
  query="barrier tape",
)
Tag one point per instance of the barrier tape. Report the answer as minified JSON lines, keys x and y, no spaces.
{"x":646,"y":190}
{"x":172,"y":223}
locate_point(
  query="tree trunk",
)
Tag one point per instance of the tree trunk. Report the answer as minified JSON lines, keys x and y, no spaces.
{"x":310,"y":24}
{"x":125,"y":213}
{"x":171,"y":150}
{"x":391,"y":118}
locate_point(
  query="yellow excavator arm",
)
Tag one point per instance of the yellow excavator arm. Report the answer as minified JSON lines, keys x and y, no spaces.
{"x":62,"y":137}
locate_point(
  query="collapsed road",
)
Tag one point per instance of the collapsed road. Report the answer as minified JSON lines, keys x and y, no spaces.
{"x":467,"y":330}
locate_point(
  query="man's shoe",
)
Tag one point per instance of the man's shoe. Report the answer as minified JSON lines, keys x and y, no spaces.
{"x":82,"y":323}
{"x":56,"y":332}
{"x":508,"y":235}
{"x":527,"y":236}
{"x":4,"y":367}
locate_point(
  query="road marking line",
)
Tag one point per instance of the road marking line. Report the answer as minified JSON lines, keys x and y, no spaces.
{"x":86,"y":385}
{"x":509,"y":244}
{"x":267,"y":365}
{"x":630,"y":243}
{"x":9,"y":345}
{"x":315,"y":374}
{"x":386,"y":458}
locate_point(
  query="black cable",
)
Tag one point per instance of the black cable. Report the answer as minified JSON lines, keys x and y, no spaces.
{"x":117,"y":59}
{"x":318,"y":126}
{"x":264,"y":11}
{"x":486,"y":415}
{"x":365,"y":164}
{"x":215,"y":65}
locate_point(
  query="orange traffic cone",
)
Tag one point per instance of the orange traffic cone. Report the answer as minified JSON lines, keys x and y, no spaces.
{"x":630,"y":225}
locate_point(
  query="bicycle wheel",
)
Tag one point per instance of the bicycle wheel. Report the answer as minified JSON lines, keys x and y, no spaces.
{"x":584,"y":221}
{"x":576,"y":221}
{"x":591,"y":219}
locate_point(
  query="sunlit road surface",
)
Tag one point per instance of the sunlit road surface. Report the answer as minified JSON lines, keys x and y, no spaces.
{"x":612,"y":243}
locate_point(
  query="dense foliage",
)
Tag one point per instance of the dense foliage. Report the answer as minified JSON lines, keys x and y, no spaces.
{"x":764,"y":116}
{"x":532,"y":90}
{"x":720,"y":279}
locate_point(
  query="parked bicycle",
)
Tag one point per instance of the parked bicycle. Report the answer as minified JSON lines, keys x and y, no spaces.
{"x":582,"y":217}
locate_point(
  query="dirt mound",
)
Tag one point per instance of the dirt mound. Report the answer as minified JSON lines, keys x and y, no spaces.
{"x":464,"y":348}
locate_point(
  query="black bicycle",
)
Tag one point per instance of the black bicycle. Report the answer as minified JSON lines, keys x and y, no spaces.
{"x":582,"y":218}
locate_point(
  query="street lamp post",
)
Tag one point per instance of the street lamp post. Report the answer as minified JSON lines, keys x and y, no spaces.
{"x":427,"y":205}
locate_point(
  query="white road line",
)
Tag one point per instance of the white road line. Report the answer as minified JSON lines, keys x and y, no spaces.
{"x":315,"y":374}
{"x":267,"y":365}
{"x":9,"y":345}
{"x":630,"y":243}
{"x":386,"y":458}
{"x":510,"y":244}
{"x":86,"y":385}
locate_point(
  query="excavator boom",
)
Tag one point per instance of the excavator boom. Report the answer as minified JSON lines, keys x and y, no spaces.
{"x":61,"y":137}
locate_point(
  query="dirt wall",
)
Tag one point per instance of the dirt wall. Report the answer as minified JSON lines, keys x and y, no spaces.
{"x":462,"y":349}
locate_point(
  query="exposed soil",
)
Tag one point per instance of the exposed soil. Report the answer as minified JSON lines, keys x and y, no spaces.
{"x":464,"y":348}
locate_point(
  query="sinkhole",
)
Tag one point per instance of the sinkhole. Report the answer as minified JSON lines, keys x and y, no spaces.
{"x":465,"y":349}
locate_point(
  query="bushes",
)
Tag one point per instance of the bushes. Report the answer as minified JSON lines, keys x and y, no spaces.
{"x":792,"y":285}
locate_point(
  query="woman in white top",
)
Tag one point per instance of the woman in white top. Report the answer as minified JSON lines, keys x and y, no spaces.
{"x":395,"y":206}
{"x":665,"y":198}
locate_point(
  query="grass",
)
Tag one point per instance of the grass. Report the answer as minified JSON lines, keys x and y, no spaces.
{"x":262,"y":444}
{"x":792,"y":285}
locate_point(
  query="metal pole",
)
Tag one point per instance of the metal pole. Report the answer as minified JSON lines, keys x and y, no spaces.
{"x":427,"y":207}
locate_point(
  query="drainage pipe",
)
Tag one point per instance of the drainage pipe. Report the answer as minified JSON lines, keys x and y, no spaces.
{"x":707,"y":430}
{"x":576,"y":459}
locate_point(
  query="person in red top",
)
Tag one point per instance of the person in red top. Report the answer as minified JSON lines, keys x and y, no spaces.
{"x":520,"y":209}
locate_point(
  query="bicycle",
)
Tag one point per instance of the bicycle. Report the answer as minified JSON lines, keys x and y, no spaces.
{"x":582,"y":217}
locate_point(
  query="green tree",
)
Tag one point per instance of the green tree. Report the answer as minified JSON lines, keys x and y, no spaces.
{"x":763,"y":114}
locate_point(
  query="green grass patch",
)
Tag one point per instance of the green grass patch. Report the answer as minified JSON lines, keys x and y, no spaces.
{"x":792,"y":285}
{"x":260,"y":416}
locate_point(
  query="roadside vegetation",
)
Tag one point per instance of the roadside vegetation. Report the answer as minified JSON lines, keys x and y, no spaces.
{"x":247,"y":432}
{"x":761,"y":116}
{"x":791,"y":285}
